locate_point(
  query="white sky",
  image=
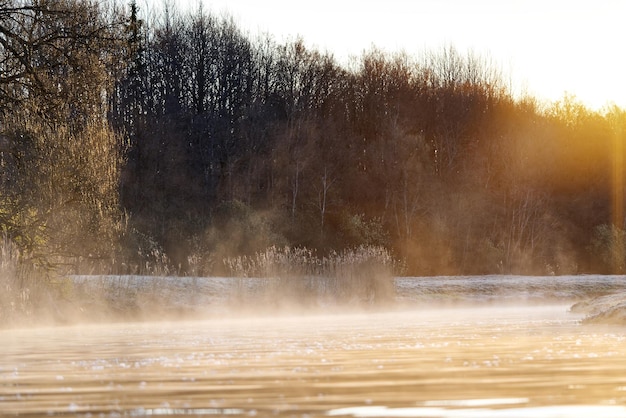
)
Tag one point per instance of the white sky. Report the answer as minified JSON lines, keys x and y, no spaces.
{"x":548,"y":47}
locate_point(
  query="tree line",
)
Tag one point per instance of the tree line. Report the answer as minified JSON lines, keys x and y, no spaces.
{"x":133,"y":143}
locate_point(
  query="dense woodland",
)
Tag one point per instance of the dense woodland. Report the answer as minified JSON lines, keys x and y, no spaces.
{"x":136,"y":142}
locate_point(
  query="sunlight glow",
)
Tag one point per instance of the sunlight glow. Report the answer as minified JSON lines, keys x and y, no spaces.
{"x":548,"y":47}
{"x":618,"y":182}
{"x":617,"y":195}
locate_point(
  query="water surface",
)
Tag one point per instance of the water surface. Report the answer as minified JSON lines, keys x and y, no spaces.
{"x":490,"y":361}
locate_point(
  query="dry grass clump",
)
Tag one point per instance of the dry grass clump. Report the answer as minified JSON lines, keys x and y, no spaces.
{"x":25,"y":294}
{"x":33,"y":294}
{"x":362,"y":275}
{"x":14,"y":296}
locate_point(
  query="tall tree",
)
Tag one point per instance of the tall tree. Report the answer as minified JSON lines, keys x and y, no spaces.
{"x":58,"y":69}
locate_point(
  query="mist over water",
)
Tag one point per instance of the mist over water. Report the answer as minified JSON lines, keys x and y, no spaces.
{"x":479,"y":359}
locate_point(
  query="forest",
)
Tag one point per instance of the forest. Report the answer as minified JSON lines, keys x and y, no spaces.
{"x":166,"y":143}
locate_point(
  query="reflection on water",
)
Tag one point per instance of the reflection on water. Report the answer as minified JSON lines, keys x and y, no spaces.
{"x":459,"y":362}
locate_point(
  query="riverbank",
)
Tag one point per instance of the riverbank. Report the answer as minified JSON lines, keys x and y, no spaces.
{"x":101,"y":299}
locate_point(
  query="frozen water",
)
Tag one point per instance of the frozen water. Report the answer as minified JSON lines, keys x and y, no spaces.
{"x":213,"y":295}
{"x":499,"y":288}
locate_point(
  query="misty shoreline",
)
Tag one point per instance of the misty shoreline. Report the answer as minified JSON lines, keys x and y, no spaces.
{"x":112,"y":297}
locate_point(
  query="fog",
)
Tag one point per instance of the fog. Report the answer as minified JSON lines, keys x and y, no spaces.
{"x":448,"y":347}
{"x":488,"y":361}
{"x":146,"y":298}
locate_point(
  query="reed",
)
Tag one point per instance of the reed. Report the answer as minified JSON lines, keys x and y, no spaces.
{"x":362,"y":275}
{"x":23,"y":287}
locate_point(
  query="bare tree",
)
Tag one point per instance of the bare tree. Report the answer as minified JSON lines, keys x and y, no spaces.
{"x":58,"y":67}
{"x":45,"y":43}
{"x":326,"y":182}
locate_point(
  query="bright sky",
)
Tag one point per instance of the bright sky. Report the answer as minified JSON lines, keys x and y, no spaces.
{"x":548,"y":47}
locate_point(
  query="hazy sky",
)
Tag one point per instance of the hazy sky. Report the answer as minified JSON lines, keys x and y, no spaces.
{"x":548,"y":47}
